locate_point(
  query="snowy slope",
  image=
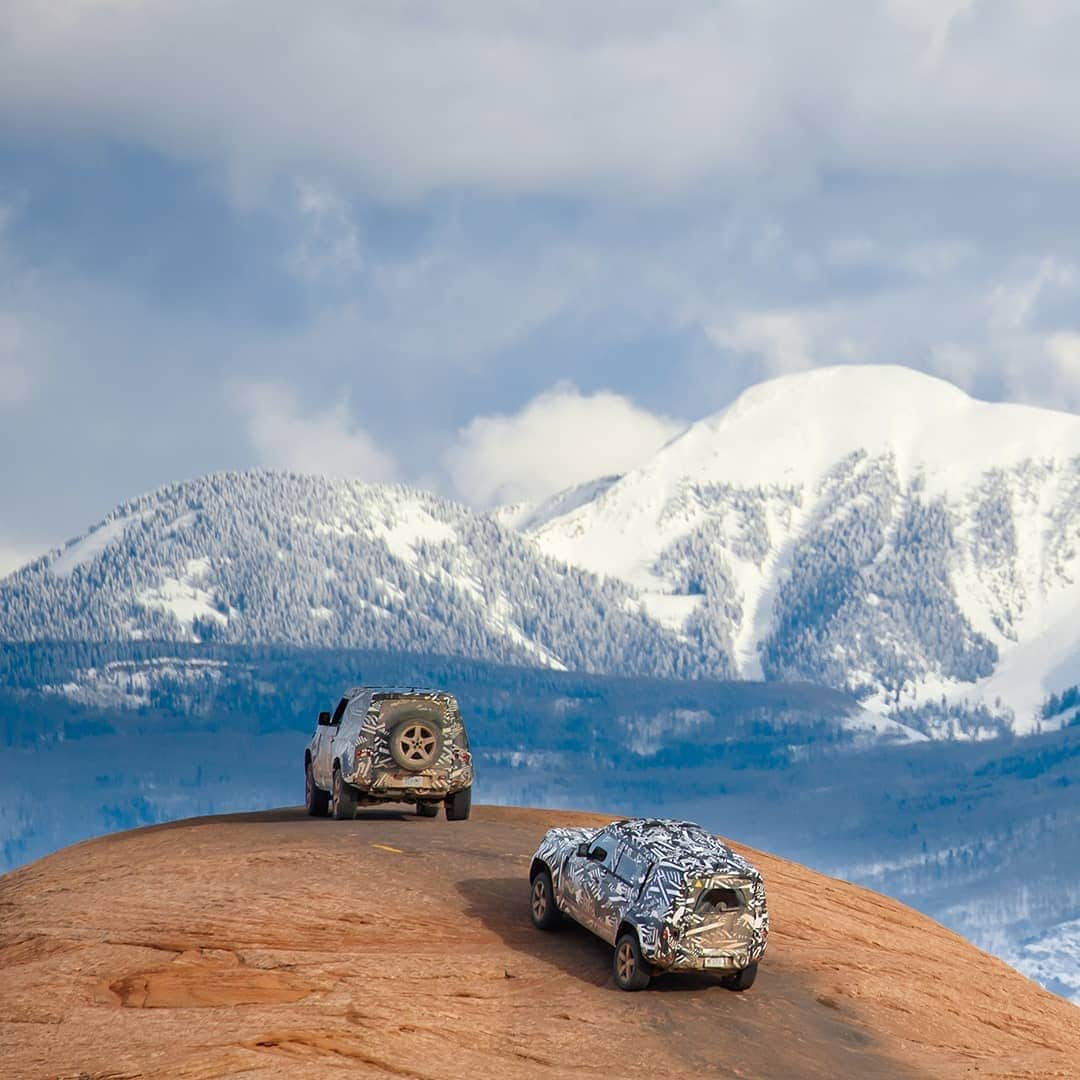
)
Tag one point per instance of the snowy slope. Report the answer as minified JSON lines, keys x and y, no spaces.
{"x":869,"y":527}
{"x":266,"y":557}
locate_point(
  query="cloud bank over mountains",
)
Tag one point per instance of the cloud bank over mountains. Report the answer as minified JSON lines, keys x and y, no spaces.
{"x":412,"y":99}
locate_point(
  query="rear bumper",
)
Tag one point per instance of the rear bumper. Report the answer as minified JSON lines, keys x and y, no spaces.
{"x":725,"y":963}
{"x":408,"y":786}
{"x":722,"y":960}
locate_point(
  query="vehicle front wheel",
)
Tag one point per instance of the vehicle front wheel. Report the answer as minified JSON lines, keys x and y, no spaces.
{"x":343,"y":803}
{"x":631,"y":971}
{"x":545,"y":914}
{"x":458,"y":805}
{"x":427,"y":809}
{"x":740,"y":980}
{"x":316,"y":800}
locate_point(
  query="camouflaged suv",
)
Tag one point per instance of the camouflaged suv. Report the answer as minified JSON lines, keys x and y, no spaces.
{"x":390,"y":744}
{"x":667,"y":894}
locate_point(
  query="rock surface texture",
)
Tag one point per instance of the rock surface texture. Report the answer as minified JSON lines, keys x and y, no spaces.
{"x":271,"y":944}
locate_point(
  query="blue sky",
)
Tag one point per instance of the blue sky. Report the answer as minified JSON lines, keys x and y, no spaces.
{"x":412,"y":241}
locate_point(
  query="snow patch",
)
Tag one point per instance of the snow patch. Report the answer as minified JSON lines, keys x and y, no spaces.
{"x":127,"y":684}
{"x":183,"y":599}
{"x":405,"y":526}
{"x":88,"y":548}
{"x":1052,"y":959}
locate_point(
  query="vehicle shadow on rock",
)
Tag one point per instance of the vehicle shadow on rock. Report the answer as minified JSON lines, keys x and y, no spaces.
{"x":297,"y":814}
{"x":502,"y":905}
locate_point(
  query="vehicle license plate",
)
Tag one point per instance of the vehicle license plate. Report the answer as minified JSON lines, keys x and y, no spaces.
{"x":715,"y":962}
{"x":413,"y":781}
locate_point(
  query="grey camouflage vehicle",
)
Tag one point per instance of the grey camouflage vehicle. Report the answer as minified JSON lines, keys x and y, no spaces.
{"x":667,"y":894}
{"x":390,"y":744}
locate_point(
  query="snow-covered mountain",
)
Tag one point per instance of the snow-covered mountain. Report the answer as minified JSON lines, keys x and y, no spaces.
{"x":870,"y":528}
{"x":265,"y":557}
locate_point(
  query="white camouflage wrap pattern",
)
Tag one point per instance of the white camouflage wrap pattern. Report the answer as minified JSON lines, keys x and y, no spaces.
{"x":695,"y":903}
{"x":366,"y":761}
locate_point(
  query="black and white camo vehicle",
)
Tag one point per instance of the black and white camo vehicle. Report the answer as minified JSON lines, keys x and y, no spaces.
{"x":667,"y":894}
{"x":390,"y":744}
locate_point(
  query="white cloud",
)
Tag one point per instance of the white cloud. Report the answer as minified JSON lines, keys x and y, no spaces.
{"x":330,"y":241}
{"x":18,"y":360}
{"x":781,"y":341}
{"x":287,"y":435}
{"x":12,"y":557}
{"x":551,"y":95}
{"x":560,"y":438}
{"x":15,"y":384}
{"x":933,"y":19}
{"x":1063,"y":350}
{"x":1013,"y":302}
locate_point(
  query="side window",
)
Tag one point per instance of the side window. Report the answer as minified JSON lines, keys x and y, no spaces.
{"x":604,"y":850}
{"x":632,"y":867}
{"x":358,"y":706}
{"x":339,"y":712}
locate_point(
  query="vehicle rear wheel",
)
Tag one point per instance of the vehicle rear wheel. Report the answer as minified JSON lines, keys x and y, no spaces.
{"x":458,"y":805}
{"x":740,"y":980}
{"x":542,"y":908}
{"x":344,"y":798}
{"x":427,"y":809}
{"x":631,"y":972}
{"x":316,"y":800}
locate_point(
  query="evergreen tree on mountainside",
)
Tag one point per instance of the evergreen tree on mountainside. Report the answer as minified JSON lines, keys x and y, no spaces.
{"x":269,"y":557}
{"x":868,"y":601}
{"x":861,"y":578}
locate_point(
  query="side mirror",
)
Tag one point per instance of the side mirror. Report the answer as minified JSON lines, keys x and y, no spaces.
{"x":324,"y":719}
{"x":582,"y":850}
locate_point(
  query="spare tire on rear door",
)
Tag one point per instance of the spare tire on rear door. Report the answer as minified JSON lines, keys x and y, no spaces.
{"x":416,"y":737}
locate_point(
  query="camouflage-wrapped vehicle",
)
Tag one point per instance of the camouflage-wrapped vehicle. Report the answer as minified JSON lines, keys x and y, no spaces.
{"x":667,"y":894}
{"x":390,"y":744}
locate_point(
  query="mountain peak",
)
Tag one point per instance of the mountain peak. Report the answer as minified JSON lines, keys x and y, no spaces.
{"x":791,"y":428}
{"x":849,"y":382}
{"x":864,"y":526}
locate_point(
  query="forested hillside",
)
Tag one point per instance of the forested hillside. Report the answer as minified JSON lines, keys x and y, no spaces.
{"x":265,"y":557}
{"x":868,"y":529}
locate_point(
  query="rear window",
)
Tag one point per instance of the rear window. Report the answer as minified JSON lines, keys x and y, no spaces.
{"x":435,"y":709}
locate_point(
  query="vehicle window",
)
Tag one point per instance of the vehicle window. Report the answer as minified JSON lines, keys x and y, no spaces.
{"x":632,"y":867}
{"x":604,"y":850}
{"x":339,"y":712}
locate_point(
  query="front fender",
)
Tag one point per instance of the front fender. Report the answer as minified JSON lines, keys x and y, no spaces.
{"x":558,"y":845}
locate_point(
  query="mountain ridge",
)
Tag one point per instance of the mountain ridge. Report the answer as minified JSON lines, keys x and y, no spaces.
{"x":770,"y":524}
{"x":266,"y":556}
{"x":867,"y":528}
